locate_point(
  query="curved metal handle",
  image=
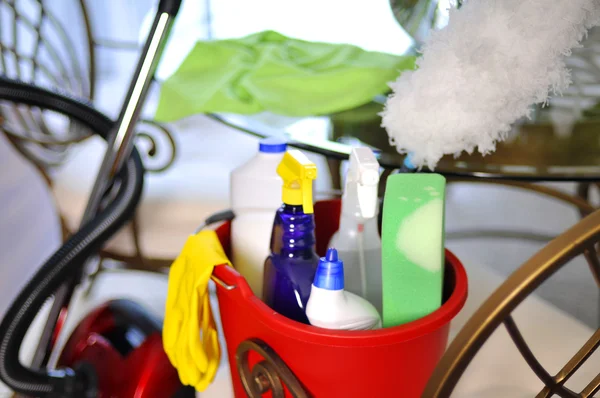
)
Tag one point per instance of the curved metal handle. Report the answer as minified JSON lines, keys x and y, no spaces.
{"x":220,"y":282}
{"x":268,"y":374}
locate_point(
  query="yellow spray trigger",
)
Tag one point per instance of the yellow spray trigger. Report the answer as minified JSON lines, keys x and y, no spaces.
{"x":190,"y":336}
{"x":297,"y":173}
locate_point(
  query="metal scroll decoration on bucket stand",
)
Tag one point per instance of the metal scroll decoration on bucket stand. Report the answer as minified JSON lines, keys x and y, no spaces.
{"x":266,"y":375}
{"x":269,"y":374}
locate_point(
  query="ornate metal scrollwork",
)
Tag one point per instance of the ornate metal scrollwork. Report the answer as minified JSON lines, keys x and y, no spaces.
{"x":145,"y":136}
{"x":270,"y":374}
{"x":53,"y":60}
{"x":36,"y":47}
{"x":39,"y":140}
{"x":497,"y":310}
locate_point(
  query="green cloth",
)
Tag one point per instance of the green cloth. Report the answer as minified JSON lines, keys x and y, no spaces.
{"x":270,"y":72}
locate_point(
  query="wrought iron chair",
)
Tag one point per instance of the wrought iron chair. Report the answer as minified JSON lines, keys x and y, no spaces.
{"x":37,"y":46}
{"x":581,"y":239}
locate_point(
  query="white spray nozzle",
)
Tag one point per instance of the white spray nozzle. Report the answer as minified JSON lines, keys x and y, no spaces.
{"x":364,"y":172}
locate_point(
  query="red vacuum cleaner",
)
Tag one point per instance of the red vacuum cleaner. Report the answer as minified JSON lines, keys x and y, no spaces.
{"x":116,"y":351}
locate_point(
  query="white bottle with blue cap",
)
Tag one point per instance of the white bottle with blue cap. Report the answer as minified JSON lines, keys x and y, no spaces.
{"x":331,"y":307}
{"x":255,"y":197}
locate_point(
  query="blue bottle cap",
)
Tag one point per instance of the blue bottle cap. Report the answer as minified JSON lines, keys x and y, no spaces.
{"x":408,"y":163}
{"x":330,"y":272}
{"x":272,"y":145}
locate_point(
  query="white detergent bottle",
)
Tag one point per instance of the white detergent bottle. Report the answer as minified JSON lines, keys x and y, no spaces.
{"x":255,"y":197}
{"x":331,"y":307}
{"x":357,"y":240}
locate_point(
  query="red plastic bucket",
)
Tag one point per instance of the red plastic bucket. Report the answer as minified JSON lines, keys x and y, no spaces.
{"x":391,"y":362}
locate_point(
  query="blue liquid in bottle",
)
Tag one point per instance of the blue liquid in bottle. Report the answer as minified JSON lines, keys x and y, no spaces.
{"x":290,"y":268}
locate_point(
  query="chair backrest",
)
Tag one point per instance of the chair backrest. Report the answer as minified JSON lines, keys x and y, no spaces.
{"x":50,"y":45}
{"x":581,"y":239}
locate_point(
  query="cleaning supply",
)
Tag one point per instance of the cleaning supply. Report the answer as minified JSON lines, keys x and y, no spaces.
{"x":482,"y":72}
{"x":290,"y":268}
{"x":357,"y":240}
{"x":255,"y":197}
{"x":190,"y":336}
{"x":331,"y":307}
{"x":267,"y":71}
{"x":412,"y":236}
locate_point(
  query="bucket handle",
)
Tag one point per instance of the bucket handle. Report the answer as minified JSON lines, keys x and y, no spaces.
{"x":226,"y":215}
{"x":266,"y":375}
{"x":221,"y":283}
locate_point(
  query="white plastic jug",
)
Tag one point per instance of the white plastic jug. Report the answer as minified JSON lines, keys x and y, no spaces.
{"x":255,"y":197}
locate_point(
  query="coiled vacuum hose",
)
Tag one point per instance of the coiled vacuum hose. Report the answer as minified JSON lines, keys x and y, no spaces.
{"x":68,"y":259}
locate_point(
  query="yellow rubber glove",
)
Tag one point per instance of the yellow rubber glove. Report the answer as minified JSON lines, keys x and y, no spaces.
{"x":190,"y":334}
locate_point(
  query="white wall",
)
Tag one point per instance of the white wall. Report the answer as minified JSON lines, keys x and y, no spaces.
{"x":29,"y":225}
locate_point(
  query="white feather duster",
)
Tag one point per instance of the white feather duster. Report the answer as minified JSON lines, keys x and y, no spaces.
{"x":482,"y":72}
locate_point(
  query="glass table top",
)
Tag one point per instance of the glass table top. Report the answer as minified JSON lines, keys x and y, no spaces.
{"x":533,"y":151}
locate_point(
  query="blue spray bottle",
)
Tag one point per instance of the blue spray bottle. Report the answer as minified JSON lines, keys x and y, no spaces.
{"x":290,"y":268}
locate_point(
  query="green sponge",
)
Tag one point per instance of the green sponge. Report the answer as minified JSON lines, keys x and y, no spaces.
{"x":412,"y":239}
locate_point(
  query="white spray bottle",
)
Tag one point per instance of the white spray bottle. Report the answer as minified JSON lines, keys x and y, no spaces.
{"x":357,"y":240}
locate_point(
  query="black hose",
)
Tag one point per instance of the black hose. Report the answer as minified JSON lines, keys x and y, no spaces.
{"x":68,"y":259}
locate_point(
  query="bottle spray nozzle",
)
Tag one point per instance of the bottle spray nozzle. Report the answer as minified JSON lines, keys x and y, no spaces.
{"x":297,"y":173}
{"x":331,"y":255}
{"x":364,"y":172}
{"x":330,"y":271}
